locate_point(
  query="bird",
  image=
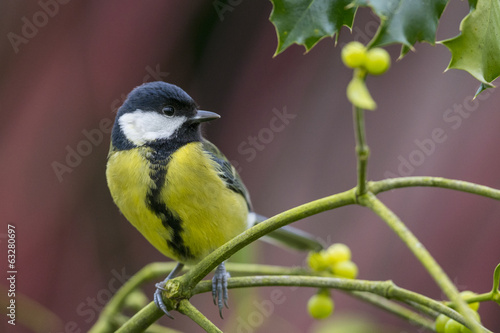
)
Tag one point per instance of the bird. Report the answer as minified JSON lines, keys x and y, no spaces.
{"x":176,"y":188}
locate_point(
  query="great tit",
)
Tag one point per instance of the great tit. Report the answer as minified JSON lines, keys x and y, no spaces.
{"x":176,"y":187}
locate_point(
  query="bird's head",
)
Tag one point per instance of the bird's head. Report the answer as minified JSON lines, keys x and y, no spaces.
{"x":158,"y":111}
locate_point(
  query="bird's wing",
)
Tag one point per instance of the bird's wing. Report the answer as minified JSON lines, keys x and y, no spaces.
{"x":227,"y":172}
{"x":289,"y":236}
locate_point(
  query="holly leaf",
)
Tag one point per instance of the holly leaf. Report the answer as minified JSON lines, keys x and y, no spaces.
{"x":477,"y":47}
{"x":306,"y":22}
{"x":482,"y":87}
{"x":405,"y":21}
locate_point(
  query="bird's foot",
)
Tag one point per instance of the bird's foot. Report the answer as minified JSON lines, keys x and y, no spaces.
{"x":160,"y":287}
{"x":219,"y":287}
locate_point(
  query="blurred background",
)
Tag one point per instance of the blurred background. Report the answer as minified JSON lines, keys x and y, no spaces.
{"x":66,"y":66}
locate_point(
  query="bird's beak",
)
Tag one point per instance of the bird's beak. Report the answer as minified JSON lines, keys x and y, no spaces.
{"x":202,"y":116}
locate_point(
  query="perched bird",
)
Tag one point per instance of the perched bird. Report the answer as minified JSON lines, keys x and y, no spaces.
{"x":177,"y":188}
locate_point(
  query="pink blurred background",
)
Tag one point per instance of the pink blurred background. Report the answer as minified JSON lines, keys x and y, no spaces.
{"x":61,"y":83}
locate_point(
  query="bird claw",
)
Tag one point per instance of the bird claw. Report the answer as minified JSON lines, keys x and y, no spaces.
{"x":219,"y":288}
{"x":160,"y":287}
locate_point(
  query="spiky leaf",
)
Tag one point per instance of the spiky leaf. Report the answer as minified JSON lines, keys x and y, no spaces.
{"x":306,"y":22}
{"x":405,"y":21}
{"x":477,"y":48}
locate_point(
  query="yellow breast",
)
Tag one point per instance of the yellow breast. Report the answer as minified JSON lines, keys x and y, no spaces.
{"x":208,"y":212}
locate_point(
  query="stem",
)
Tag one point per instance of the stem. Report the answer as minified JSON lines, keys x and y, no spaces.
{"x":496,"y":280}
{"x":495,"y":292}
{"x":395,"y":308}
{"x":141,"y":320}
{"x":109,"y":319}
{"x":386,"y":289}
{"x":452,"y":184}
{"x":362,"y":149}
{"x":198,"y":272}
{"x":241,"y":269}
{"x":154,"y":328}
{"x":371,"y":201}
{"x":186,"y":308}
{"x":148,"y":273}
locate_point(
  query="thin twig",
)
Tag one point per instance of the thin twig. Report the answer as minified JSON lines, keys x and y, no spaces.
{"x":386,"y":289}
{"x":362,"y":149}
{"x":371,"y":201}
{"x":452,"y":184}
{"x":141,"y":320}
{"x":186,"y":308}
{"x":398,"y":310}
{"x":148,"y":273}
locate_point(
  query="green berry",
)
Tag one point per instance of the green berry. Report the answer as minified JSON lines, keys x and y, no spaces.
{"x":377,"y":61}
{"x":345,"y":269}
{"x":469,"y":294}
{"x":441,"y":321}
{"x":353,"y":55}
{"x":464,"y":329}
{"x":317,"y":262}
{"x":336,"y":253}
{"x":320,"y":306}
{"x":453,"y":326}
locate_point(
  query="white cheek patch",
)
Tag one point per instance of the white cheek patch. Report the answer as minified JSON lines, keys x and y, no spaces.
{"x":142,"y":126}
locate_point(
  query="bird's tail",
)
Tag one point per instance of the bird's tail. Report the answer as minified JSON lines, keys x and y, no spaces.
{"x":287,"y":236}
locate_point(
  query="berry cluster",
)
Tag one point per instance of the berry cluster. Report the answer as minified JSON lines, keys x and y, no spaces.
{"x":445,"y":324}
{"x":364,"y":61}
{"x":375,"y":61}
{"x":320,"y":305}
{"x":335,"y":260}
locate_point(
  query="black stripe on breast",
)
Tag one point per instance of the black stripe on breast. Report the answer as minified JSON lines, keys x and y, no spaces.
{"x":154,"y":200}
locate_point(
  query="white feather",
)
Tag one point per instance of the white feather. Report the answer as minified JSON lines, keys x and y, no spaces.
{"x":143,"y":126}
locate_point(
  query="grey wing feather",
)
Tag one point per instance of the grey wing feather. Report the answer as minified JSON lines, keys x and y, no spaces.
{"x":289,"y":236}
{"x":227,"y":172}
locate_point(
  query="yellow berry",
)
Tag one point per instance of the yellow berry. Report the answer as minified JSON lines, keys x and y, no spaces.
{"x":440,"y":323}
{"x":353,"y":55}
{"x":345,"y":269}
{"x":464,"y":329}
{"x":317,"y":262}
{"x":377,"y":61}
{"x":452,"y":326}
{"x":337,"y":252}
{"x":320,"y":306}
{"x":469,"y":294}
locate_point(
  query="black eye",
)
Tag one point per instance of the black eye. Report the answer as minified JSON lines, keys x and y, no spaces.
{"x":168,"y":111}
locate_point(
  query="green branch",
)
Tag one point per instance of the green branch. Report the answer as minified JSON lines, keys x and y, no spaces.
{"x":148,"y":273}
{"x":495,"y":292}
{"x":109,"y":319}
{"x":452,"y":184}
{"x":200,"y":270}
{"x":370,"y":200}
{"x":153,"y":328}
{"x":362,"y":149}
{"x":385,"y":289}
{"x":186,"y":308}
{"x":142,"y":319}
{"x":395,"y":308}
